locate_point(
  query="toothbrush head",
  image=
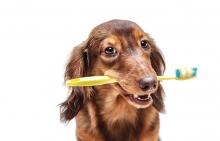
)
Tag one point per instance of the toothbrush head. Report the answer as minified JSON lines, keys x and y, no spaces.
{"x":186,"y":72}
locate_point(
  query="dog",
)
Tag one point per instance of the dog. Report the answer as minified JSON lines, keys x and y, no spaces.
{"x":124,"y":111}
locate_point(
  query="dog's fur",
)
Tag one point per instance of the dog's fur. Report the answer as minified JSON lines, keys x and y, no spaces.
{"x":106,"y":112}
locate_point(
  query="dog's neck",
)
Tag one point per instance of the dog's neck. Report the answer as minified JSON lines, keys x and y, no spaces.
{"x":113,"y":117}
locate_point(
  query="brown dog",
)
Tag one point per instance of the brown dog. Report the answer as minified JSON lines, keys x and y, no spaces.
{"x":123,"y":111}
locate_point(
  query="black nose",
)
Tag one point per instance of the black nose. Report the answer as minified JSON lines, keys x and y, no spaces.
{"x":148,"y":84}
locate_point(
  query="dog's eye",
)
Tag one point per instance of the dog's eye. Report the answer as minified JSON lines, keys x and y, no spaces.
{"x":144,"y":44}
{"x":110,"y":51}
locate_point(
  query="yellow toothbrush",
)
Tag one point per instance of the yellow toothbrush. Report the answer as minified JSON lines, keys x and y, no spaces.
{"x":181,"y":74}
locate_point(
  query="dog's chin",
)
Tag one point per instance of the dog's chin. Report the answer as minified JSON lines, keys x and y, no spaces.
{"x":137,"y":100}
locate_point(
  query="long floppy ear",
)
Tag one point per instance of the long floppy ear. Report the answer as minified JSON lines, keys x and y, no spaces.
{"x":159,"y":66}
{"x":76,"y":67}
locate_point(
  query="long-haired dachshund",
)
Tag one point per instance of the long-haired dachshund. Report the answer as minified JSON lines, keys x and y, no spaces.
{"x":124,"y":111}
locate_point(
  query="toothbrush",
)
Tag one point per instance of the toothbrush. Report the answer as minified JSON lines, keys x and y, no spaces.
{"x":181,"y":74}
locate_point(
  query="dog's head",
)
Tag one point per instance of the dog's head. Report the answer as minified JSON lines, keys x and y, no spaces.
{"x":122,"y":50}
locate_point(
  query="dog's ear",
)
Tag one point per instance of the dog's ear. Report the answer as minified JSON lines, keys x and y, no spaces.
{"x":159,"y":66}
{"x":77,"y":66}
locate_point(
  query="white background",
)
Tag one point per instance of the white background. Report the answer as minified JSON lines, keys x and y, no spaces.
{"x":37,"y":36}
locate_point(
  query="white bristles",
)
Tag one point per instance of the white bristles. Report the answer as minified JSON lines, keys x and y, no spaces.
{"x":186,"y":72}
{"x":190,"y":71}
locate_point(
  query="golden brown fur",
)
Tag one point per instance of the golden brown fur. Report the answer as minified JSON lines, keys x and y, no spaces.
{"x":111,"y":112}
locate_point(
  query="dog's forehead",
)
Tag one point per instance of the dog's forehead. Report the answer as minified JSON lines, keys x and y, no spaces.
{"x":120,"y":31}
{"x":126,"y":38}
{"x":121,"y":27}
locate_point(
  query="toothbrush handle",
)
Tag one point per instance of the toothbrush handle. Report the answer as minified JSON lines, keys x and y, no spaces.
{"x":90,"y":81}
{"x":173,"y":78}
{"x":166,"y":78}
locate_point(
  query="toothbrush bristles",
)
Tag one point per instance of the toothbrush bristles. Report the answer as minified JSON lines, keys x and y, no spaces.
{"x":186,"y":72}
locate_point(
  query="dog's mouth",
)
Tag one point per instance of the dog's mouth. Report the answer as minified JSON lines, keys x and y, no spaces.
{"x":140,"y":99}
{"x":143,"y":99}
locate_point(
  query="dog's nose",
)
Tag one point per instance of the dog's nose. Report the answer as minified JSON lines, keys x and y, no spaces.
{"x":148,"y":84}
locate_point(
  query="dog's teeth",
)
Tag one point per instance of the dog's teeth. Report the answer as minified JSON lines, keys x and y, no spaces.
{"x":136,"y":96}
{"x":146,"y":97}
{"x":143,"y":97}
